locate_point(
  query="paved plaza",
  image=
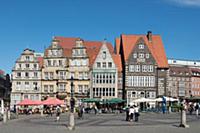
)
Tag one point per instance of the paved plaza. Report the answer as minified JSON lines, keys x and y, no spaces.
{"x":110,"y":123}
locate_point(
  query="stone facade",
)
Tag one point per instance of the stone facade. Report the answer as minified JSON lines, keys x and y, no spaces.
{"x":104,"y":73}
{"x":79,"y":70}
{"x":54,"y":72}
{"x":179,"y":81}
{"x":144,"y":66}
{"x":26,"y":77}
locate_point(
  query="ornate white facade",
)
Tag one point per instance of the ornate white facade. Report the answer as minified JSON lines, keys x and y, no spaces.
{"x":26,"y":77}
{"x":104,"y":83}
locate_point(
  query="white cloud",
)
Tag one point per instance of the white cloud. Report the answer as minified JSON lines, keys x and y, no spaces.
{"x":186,"y":2}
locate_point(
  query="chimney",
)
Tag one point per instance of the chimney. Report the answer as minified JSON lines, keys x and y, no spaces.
{"x":149,"y":36}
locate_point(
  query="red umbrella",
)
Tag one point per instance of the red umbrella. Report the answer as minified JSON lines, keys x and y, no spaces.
{"x":29,"y":102}
{"x":53,"y":101}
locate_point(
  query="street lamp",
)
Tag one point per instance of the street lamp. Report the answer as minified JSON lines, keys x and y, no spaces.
{"x":72,"y":104}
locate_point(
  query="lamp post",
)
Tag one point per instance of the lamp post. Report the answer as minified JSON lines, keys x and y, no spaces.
{"x":72,"y":103}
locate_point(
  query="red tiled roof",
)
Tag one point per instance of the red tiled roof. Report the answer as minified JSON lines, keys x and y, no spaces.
{"x":41,"y":61}
{"x":92,"y":47}
{"x":117,"y":61}
{"x":156,"y":47}
{"x":66,"y":42}
{"x":117,"y":45}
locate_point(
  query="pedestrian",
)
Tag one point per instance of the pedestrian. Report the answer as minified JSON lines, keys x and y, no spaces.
{"x":131,"y":113}
{"x":197,"y":109}
{"x":80,"y":112}
{"x":95,"y":109}
{"x":191,"y":108}
{"x":127,"y":113}
{"x":136,"y":113}
{"x":58,"y":113}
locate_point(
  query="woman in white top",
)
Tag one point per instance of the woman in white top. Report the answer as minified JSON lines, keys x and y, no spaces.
{"x":131,"y":113}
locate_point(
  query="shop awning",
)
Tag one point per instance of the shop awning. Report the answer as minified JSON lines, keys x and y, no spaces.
{"x":53,"y":101}
{"x":29,"y":102}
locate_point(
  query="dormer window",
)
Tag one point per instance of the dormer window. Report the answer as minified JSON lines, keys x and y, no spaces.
{"x":135,"y":55}
{"x":104,"y":54}
{"x":141,"y":55}
{"x":141,"y":46}
{"x":147,"y":56}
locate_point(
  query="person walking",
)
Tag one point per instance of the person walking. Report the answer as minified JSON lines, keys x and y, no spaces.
{"x":131,"y":113}
{"x":136,"y":111}
{"x":127,"y":113}
{"x":58,"y":113}
{"x":197,"y":109}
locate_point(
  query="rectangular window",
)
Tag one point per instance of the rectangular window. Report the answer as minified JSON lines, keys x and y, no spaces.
{"x":141,"y":55}
{"x":109,"y":64}
{"x":98,"y":64}
{"x":35,"y":74}
{"x":86,"y":88}
{"x":144,"y":68}
{"x":35,"y":87}
{"x":27,"y":58}
{"x":131,"y":68}
{"x":80,"y":75}
{"x":54,"y":63}
{"x":26,"y":85}
{"x":62,"y":87}
{"x":135,"y":55}
{"x":35,"y":66}
{"x":141,"y":46}
{"x":46,"y":75}
{"x":51,"y":75}
{"x":86,"y":75}
{"x":60,"y":63}
{"x":113,"y":92}
{"x":80,"y":88}
{"x":18,"y":74}
{"x":137,"y":68}
{"x":147,"y":56}
{"x":104,"y":64}
{"x":27,"y":65}
{"x":18,"y":85}
{"x":45,"y":88}
{"x":26,"y":74}
{"x":48,"y":62}
{"x":51,"y":88}
{"x":104,"y":54}
{"x":20,"y":65}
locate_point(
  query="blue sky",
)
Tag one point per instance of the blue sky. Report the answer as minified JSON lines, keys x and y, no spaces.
{"x":32,"y":23}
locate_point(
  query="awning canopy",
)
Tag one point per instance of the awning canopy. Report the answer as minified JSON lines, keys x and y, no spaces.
{"x":53,"y":101}
{"x":29,"y":102}
{"x":143,"y":100}
{"x":91,"y":100}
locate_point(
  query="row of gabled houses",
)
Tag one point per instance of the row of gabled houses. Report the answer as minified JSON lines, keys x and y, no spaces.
{"x":135,"y":67}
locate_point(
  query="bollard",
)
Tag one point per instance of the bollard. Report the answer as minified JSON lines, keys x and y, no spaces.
{"x":5,"y":116}
{"x":2,"y":106}
{"x":42,"y":114}
{"x":9,"y":115}
{"x":71,"y":121}
{"x":183,"y":116}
